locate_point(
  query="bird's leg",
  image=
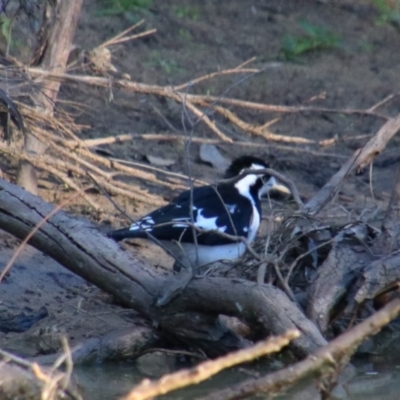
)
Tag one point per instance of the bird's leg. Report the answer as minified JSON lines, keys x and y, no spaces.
{"x":178,"y":283}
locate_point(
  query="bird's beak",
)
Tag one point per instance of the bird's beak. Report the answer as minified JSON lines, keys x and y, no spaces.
{"x":273,"y":185}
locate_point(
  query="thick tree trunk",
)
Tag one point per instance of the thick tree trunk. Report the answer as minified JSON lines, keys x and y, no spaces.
{"x":58,"y":29}
{"x":79,"y":246}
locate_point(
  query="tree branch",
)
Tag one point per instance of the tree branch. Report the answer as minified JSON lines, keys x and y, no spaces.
{"x":360,"y":159}
{"x":330,"y":357}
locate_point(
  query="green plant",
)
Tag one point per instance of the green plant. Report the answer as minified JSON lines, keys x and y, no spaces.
{"x":389,"y":12}
{"x":5,"y":29}
{"x":315,"y":38}
{"x":185,"y":35}
{"x":170,"y":67}
{"x":115,"y":7}
{"x":189,"y":12}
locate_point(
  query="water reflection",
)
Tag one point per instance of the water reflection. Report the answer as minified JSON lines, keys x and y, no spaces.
{"x":374,"y":381}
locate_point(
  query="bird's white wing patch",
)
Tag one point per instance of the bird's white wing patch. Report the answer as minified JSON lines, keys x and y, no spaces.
{"x":144,"y":224}
{"x":208,"y":224}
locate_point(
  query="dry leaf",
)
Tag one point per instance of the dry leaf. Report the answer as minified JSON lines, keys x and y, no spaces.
{"x":159,"y":161}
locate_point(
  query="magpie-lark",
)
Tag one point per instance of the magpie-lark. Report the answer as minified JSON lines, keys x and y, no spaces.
{"x":189,"y":225}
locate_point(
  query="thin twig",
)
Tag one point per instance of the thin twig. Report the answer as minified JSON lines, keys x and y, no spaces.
{"x":243,"y":64}
{"x":383,"y":102}
{"x":32,"y":232}
{"x":109,"y":163}
{"x":204,"y":117}
{"x":305,"y":254}
{"x":121,"y":34}
{"x":284,"y":284}
{"x":215,"y":74}
{"x":371,"y":184}
{"x":162,"y":171}
{"x":132,"y":37}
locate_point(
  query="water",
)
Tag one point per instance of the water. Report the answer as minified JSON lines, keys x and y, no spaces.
{"x":110,"y":382}
{"x":373,"y":381}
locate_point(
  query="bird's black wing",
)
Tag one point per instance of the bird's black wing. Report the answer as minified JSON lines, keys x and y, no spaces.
{"x":218,"y":208}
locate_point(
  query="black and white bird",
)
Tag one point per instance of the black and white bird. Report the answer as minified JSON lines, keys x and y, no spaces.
{"x":190,"y":225}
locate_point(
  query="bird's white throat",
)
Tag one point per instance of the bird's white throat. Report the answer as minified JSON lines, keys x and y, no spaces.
{"x":243,"y":186}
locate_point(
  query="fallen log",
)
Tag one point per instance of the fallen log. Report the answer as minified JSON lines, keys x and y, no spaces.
{"x":78,"y":245}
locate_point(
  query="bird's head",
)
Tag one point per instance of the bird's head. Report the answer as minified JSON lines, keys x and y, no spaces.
{"x":257,"y":184}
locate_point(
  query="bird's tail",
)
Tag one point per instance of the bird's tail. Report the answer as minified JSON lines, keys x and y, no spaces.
{"x":126,"y":233}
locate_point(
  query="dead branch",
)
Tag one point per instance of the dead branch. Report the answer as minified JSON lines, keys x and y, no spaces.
{"x":335,"y":278}
{"x":62,"y":168}
{"x":360,"y":159}
{"x":106,"y":140}
{"x":192,"y":101}
{"x":156,"y":136}
{"x":55,"y":167}
{"x":204,"y":117}
{"x":378,"y":279}
{"x":53,"y":53}
{"x":132,"y":37}
{"x":161,"y":171}
{"x":237,"y":70}
{"x":79,"y":151}
{"x":147,"y":389}
{"x":261,"y":130}
{"x":200,"y":100}
{"x":384,"y":101}
{"x":120,"y":35}
{"x":379,"y":276}
{"x":118,"y":345}
{"x":326,"y":360}
{"x":80,"y":159}
{"x":194,"y":139}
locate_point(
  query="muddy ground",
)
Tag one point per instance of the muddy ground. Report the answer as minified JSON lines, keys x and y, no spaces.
{"x":196,"y":38}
